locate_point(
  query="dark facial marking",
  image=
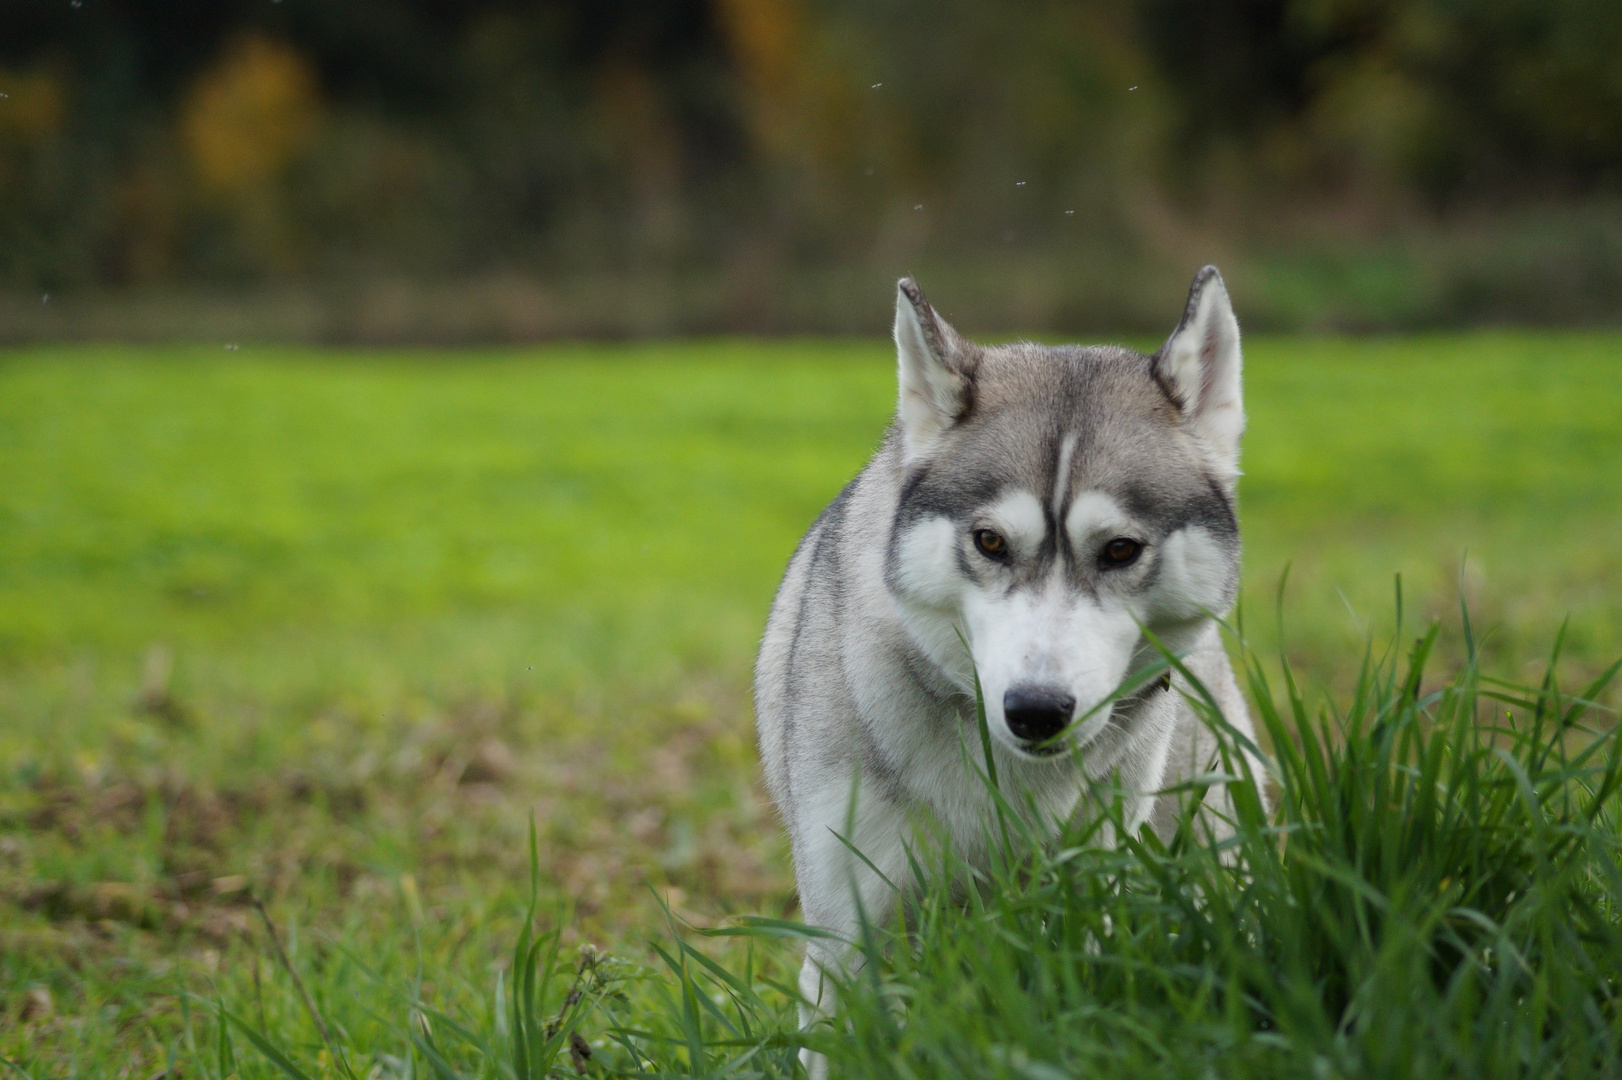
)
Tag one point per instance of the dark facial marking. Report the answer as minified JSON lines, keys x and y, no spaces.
{"x":1168,"y":511}
{"x":1126,"y":443}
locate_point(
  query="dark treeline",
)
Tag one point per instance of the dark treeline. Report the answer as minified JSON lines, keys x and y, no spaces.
{"x":758,"y":164}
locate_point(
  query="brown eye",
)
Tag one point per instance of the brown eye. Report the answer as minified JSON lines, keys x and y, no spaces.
{"x":991,"y":543}
{"x":1121,"y":551}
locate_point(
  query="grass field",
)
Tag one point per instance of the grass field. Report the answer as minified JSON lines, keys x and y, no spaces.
{"x":329,"y":628}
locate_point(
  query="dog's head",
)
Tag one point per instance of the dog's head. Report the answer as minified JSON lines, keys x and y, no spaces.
{"x":1056,"y":501}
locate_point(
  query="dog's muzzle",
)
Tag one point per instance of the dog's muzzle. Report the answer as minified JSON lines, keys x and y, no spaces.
{"x":1037,"y":713}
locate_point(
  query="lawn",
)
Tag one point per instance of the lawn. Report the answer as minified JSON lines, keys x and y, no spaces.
{"x":330,"y":628}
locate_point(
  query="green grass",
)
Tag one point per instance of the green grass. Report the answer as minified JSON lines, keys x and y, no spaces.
{"x":1435,"y":895}
{"x":331,"y":627}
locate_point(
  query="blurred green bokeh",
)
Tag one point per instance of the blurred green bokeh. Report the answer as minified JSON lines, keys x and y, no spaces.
{"x":420,"y":170}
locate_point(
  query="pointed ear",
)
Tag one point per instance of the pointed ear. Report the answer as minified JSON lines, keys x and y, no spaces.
{"x":936,"y":371}
{"x":1199,"y":368}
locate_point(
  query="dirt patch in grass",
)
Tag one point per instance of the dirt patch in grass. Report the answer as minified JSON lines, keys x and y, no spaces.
{"x":154,"y":869}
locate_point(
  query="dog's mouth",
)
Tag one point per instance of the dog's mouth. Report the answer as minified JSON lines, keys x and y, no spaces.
{"x":1047,"y":748}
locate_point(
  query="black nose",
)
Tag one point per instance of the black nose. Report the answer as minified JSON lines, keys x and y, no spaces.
{"x":1036,"y":713}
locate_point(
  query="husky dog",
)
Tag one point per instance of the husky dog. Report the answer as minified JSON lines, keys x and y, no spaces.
{"x":1032,"y":511}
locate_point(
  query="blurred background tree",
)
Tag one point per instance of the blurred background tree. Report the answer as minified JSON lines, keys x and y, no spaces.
{"x":516,"y":168}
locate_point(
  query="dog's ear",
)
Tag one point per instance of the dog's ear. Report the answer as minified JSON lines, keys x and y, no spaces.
{"x":936,"y":371}
{"x":1199,"y":368}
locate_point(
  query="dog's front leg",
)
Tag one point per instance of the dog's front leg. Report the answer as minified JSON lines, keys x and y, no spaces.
{"x":838,"y":889}
{"x":822,"y":962}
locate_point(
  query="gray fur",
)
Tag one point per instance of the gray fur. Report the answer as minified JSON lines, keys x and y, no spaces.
{"x":863,"y":696}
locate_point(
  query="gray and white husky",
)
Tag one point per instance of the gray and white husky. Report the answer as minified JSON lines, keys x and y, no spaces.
{"x":1030,"y":513}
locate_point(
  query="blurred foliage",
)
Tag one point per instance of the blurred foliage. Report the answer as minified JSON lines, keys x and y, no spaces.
{"x":754,"y":144}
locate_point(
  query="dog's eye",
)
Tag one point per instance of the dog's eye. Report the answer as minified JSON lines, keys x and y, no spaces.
{"x":991,"y":543}
{"x":1121,"y":551}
